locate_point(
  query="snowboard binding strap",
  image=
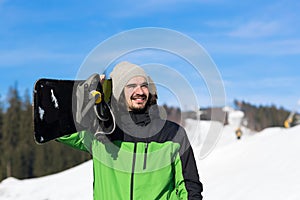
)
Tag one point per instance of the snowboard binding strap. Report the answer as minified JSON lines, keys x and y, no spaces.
{"x":90,"y":94}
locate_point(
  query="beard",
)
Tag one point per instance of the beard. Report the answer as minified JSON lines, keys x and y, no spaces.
{"x":138,"y":107}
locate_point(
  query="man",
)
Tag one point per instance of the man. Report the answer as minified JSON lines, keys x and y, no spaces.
{"x":146,"y":157}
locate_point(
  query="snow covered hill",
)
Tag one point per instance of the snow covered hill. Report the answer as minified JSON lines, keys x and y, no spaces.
{"x":260,"y":166}
{"x":75,"y":183}
{"x":264,"y":166}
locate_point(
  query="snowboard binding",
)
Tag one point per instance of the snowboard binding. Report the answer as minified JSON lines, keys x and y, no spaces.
{"x":93,"y":112}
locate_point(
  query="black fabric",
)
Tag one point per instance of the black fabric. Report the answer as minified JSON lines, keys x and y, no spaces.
{"x":141,"y":119}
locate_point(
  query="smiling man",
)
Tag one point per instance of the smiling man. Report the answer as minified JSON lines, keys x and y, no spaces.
{"x":146,"y":157}
{"x":134,"y":105}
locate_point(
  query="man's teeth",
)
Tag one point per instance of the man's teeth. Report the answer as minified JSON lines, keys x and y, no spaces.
{"x":138,"y":98}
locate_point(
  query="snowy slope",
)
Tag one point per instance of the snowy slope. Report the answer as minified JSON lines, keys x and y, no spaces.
{"x":261,"y":166}
{"x":75,"y":184}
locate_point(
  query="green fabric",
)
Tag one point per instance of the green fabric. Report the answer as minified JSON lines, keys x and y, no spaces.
{"x":107,"y":88}
{"x":81,"y":140}
{"x":113,"y":162}
{"x":180,"y":185}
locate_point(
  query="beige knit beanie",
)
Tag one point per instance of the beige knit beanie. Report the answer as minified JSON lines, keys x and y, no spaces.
{"x":122,"y":73}
{"x":152,"y":86}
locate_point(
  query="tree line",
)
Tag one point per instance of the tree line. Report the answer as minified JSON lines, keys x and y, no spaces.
{"x":256,"y":117}
{"x":21,"y":157}
{"x":260,"y":117}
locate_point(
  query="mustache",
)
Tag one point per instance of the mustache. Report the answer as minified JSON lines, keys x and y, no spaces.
{"x":142,"y":96}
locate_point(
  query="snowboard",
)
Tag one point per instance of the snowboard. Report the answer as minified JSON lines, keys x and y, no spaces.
{"x":63,"y":107}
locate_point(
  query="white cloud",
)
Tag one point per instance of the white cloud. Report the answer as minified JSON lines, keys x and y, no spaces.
{"x":267,"y":20}
{"x":256,"y":29}
{"x":23,"y":57}
{"x":256,"y":47}
{"x":269,"y":83}
{"x":290,"y":46}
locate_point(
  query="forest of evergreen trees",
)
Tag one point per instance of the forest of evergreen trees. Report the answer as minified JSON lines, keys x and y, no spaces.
{"x":260,"y":117}
{"x":22,"y":158}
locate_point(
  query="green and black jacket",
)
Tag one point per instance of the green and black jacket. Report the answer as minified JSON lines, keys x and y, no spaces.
{"x":128,"y":166}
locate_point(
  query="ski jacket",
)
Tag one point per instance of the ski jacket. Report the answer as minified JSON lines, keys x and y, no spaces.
{"x":128,"y":166}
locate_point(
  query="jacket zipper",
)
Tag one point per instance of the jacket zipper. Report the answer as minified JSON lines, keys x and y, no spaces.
{"x":145,"y":156}
{"x":132,"y":171}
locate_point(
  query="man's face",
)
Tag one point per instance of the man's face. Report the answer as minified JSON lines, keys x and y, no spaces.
{"x":136,"y":93}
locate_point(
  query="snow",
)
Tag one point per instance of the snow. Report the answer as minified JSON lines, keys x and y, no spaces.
{"x":41,"y":112}
{"x":75,"y":183}
{"x":262,"y":166}
{"x":53,"y":98}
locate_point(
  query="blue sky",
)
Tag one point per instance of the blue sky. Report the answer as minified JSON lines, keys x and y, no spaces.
{"x":254,"y":44}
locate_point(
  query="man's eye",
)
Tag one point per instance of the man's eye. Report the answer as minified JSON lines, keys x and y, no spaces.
{"x":144,"y":85}
{"x":131,"y":85}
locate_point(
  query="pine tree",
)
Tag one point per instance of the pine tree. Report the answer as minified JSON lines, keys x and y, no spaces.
{"x":26,"y":143}
{"x":11,"y":123}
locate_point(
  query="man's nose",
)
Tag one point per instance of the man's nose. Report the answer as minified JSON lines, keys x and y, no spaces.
{"x":139,"y":89}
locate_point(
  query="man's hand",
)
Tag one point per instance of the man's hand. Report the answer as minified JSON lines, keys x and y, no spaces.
{"x":102,"y":78}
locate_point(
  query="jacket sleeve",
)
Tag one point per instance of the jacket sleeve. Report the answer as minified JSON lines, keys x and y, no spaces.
{"x":186,"y":174}
{"x":80,"y":140}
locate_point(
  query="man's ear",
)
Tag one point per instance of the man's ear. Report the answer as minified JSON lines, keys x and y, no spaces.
{"x":152,"y":99}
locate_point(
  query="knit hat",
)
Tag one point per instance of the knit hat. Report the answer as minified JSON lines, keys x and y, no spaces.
{"x":152,"y":86}
{"x":122,"y":73}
